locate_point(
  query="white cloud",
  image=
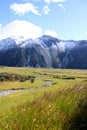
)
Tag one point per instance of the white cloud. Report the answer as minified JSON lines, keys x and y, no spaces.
{"x":58,"y":0}
{"x":22,"y":9}
{"x":62,"y":7}
{"x":46,"y":9}
{"x":51,"y":33}
{"x":19,"y":28}
{"x":0,"y":26}
{"x":48,"y":1}
{"x":54,"y":1}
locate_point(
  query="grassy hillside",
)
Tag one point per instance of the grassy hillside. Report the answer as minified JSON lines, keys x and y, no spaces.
{"x":56,"y":100}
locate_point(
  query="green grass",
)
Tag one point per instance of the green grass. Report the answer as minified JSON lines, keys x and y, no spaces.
{"x":61,"y":106}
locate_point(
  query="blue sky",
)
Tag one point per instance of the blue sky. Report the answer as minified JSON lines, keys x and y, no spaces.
{"x":65,"y":19}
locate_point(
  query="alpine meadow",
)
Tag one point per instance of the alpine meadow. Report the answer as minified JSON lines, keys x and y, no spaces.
{"x":43,"y":99}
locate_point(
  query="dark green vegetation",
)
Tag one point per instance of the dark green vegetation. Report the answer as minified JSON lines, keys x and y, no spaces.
{"x":15,"y":77}
{"x":57,"y":100}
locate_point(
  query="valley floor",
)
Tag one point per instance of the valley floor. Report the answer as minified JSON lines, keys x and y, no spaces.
{"x":56,"y":99}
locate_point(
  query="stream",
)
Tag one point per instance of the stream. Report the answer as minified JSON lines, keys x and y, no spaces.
{"x":7,"y":92}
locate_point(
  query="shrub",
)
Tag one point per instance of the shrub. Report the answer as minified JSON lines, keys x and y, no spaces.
{"x":69,"y":78}
{"x":32,"y":80}
{"x":15,"y":77}
{"x":2,"y":79}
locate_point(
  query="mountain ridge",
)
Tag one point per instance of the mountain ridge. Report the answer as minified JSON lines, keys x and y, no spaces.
{"x":45,"y":51}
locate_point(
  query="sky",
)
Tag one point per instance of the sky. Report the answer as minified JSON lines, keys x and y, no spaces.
{"x":64,"y":19}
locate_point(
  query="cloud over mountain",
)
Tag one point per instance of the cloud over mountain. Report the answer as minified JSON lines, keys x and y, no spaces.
{"x":18,"y":28}
{"x":51,"y":33}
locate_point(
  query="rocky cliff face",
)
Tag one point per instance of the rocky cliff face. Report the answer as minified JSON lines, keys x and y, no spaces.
{"x":45,"y":51}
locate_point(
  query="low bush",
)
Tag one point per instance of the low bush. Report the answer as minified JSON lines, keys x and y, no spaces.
{"x":15,"y":77}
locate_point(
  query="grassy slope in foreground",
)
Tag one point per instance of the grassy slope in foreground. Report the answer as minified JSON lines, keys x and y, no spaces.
{"x":61,"y":106}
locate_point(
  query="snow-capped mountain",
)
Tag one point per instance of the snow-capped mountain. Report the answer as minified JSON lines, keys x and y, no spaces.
{"x":45,"y":51}
{"x":7,"y":44}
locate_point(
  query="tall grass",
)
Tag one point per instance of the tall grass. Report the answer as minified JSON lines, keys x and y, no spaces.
{"x":58,"y":110}
{"x":62,"y":106}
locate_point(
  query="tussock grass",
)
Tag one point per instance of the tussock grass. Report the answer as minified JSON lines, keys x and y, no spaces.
{"x":61,"y":106}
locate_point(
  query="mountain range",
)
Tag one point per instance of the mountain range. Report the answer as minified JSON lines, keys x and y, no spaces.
{"x":45,"y":52}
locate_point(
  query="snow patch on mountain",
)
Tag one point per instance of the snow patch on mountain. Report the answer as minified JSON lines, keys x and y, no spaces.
{"x":18,"y":40}
{"x":61,"y":46}
{"x":70,"y":45}
{"x":44,"y":41}
{"x":7,"y":44}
